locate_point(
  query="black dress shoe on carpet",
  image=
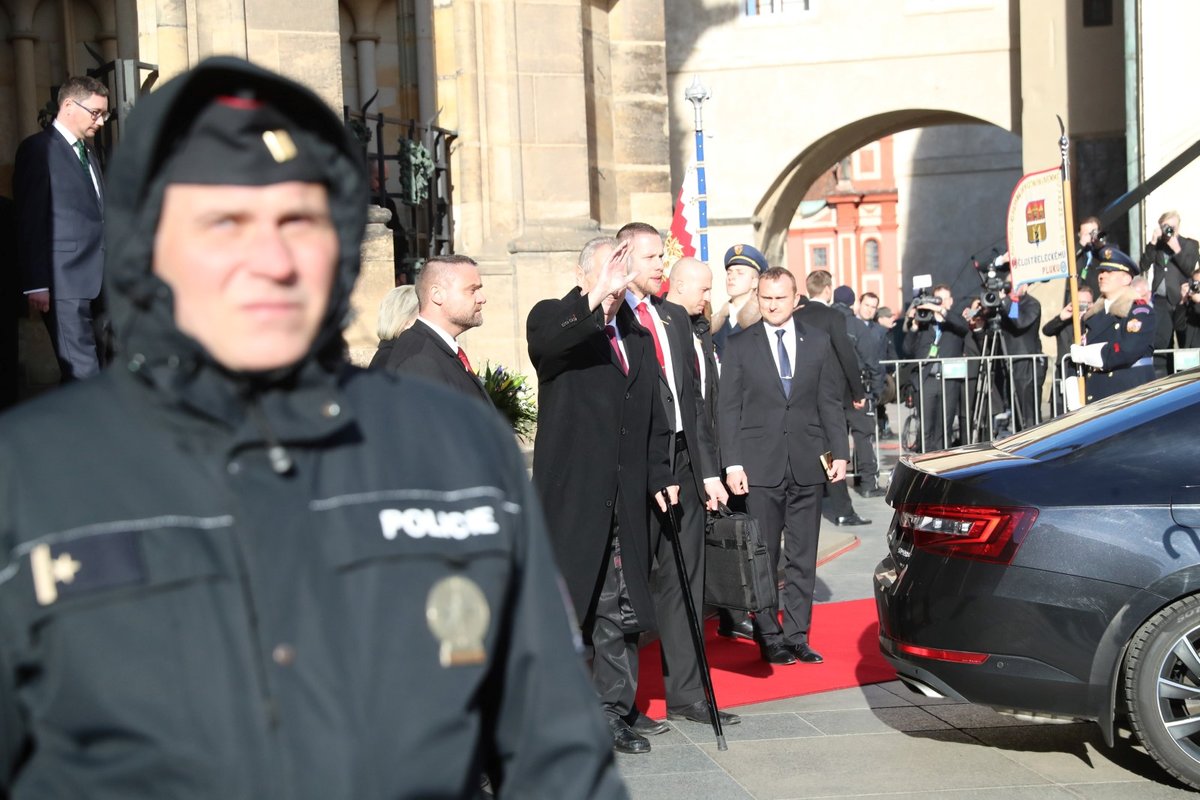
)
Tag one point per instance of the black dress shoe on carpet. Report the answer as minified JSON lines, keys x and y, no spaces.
{"x":645,"y":726}
{"x":777,"y":653}
{"x":743,"y":629}
{"x":698,"y":712}
{"x":853,"y":519}
{"x":805,"y":654}
{"x":624,"y":739}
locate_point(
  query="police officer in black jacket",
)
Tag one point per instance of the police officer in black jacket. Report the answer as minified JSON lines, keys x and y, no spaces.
{"x":232,"y":566}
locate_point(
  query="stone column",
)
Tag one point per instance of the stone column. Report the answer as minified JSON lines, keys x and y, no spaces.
{"x":364,"y":49}
{"x":26,"y":81}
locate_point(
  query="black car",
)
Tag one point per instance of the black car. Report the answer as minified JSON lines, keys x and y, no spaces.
{"x":1058,"y":570}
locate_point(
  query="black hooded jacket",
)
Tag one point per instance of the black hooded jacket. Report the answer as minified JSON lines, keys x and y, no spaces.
{"x":320,"y":582}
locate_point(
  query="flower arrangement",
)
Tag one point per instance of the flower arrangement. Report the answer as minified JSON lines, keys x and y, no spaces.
{"x":512,"y":396}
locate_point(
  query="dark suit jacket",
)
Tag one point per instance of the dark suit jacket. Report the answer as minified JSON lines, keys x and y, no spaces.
{"x":420,"y":351}
{"x":818,"y":315}
{"x":602,"y":445}
{"x":1022,"y":334}
{"x":702,"y":448}
{"x":701,"y":329}
{"x":60,"y":221}
{"x":764,"y":431}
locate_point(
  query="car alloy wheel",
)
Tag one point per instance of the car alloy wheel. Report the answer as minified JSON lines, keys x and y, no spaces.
{"x":1162,"y":688}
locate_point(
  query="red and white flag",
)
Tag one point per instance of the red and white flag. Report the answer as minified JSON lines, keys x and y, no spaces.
{"x":684,"y":237}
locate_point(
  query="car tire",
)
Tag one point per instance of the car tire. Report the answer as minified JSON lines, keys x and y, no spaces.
{"x":1162,"y":688}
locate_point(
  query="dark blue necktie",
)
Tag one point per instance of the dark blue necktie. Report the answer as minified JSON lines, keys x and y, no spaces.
{"x":785,"y":366}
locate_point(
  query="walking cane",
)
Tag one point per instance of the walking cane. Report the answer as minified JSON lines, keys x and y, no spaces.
{"x":695,"y":626}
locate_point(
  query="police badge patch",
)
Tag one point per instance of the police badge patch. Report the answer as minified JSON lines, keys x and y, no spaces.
{"x":1133,"y":326}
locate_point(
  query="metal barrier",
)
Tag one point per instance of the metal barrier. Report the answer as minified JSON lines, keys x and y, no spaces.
{"x":948,"y":396}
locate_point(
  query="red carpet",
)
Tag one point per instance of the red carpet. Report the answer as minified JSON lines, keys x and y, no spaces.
{"x":847,"y":634}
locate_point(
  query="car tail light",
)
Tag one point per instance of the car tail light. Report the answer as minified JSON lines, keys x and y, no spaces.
{"x":937,"y":654}
{"x":973,"y":532}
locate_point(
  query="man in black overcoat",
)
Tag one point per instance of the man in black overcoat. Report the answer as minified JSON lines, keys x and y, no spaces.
{"x":781,"y":409}
{"x":694,"y":462}
{"x":603,"y":448}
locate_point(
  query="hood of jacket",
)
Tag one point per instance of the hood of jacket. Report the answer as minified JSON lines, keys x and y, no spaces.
{"x":142,"y":305}
{"x":1122,"y":304}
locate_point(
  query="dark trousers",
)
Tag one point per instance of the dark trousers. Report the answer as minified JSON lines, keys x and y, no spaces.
{"x":614,"y":651}
{"x":681,"y":669}
{"x":796,"y":510}
{"x":1164,"y":336}
{"x":862,"y":431}
{"x":73,"y":332}
{"x":934,"y":425}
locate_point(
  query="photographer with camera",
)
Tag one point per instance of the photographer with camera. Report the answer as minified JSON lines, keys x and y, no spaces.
{"x":1187,"y":314}
{"x":1059,"y":329}
{"x":933,"y":331}
{"x":1087,"y":255}
{"x":1167,"y":262}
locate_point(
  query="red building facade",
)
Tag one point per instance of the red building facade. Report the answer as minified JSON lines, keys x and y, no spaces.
{"x":847,"y":225}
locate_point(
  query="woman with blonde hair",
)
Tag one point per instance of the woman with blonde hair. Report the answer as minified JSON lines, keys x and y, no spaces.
{"x":397,"y":313}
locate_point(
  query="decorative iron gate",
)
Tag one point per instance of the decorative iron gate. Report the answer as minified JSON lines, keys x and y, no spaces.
{"x":409,"y":166}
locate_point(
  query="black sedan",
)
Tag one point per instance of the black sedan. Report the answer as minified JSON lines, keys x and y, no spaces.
{"x":1058,"y":570}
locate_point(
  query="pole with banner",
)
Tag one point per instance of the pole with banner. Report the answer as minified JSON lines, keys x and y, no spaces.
{"x":696,"y":94}
{"x":1041,"y":235}
{"x":1072,"y":279}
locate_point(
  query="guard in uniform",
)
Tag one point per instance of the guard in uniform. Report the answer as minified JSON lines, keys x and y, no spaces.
{"x":743,"y":264}
{"x":234,"y":566}
{"x":1118,"y":331}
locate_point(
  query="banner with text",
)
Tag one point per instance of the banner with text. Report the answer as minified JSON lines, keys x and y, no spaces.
{"x":1037,"y":234}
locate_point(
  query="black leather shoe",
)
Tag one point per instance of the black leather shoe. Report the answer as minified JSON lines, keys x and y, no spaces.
{"x":645,"y":726}
{"x":777,"y":653}
{"x":805,"y":654}
{"x":873,"y":492}
{"x":698,"y":712}
{"x":624,"y":739}
{"x":853,"y":519}
{"x":744,"y":629}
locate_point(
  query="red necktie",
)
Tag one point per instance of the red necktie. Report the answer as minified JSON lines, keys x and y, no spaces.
{"x":611,"y":332}
{"x":462,"y":356}
{"x":643,"y":315}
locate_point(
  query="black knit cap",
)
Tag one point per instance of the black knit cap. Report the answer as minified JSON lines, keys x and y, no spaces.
{"x":242,"y":141}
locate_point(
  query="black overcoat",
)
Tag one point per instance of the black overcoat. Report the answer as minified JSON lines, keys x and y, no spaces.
{"x":603,"y":440}
{"x":420,"y":351}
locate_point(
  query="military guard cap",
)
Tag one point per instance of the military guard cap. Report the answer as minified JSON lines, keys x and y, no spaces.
{"x":1113,"y":260}
{"x":745,"y":255}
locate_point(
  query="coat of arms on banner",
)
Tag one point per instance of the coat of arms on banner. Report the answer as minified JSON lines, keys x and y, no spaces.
{"x":1035,"y":221}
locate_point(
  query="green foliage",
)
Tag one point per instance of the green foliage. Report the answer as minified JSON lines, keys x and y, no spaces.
{"x":512,"y":396}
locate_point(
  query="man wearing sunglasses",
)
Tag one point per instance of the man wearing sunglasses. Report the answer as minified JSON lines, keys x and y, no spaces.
{"x":60,"y":223}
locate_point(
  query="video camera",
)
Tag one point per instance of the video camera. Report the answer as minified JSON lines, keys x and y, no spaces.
{"x":924,"y":316}
{"x":1167,"y":233}
{"x":995,"y":277}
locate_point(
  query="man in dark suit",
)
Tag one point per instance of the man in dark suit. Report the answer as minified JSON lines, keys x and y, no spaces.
{"x":1020,"y":316}
{"x":60,"y":225}
{"x":450,"y":302}
{"x":691,"y":288}
{"x":817,"y":313}
{"x":694,"y":462}
{"x":603,"y":448}
{"x":780,"y":410}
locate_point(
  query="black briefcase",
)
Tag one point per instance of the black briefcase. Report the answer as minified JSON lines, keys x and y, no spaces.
{"x":738,"y":573}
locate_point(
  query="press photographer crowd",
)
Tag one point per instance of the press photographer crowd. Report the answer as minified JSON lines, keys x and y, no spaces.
{"x":1133,"y":316}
